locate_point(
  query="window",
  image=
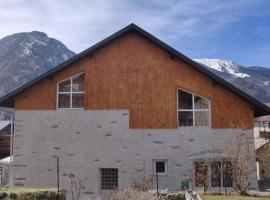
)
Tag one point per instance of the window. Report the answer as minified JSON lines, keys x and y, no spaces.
{"x":193,"y":110}
{"x":160,"y":167}
{"x":201,"y":169}
{"x":71,"y":92}
{"x":227,"y":174}
{"x":109,"y":179}
{"x":217,"y":172}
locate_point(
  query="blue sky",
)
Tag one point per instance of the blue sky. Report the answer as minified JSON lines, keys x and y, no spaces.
{"x":237,"y":30}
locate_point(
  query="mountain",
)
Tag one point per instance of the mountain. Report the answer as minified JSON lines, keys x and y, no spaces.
{"x":253,"y":80}
{"x":24,"y":56}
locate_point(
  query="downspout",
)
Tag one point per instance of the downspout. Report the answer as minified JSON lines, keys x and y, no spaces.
{"x":11,"y":148}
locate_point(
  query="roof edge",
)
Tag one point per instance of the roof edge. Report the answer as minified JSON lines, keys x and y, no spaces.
{"x":261,"y":108}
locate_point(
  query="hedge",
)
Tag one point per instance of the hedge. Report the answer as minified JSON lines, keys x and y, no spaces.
{"x":31,"y":195}
{"x":176,"y":196}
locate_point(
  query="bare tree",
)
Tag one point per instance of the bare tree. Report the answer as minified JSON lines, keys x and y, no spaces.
{"x":76,"y":186}
{"x":201,"y":175}
{"x":238,"y":153}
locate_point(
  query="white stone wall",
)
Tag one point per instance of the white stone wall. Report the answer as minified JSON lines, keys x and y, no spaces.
{"x":87,"y":140}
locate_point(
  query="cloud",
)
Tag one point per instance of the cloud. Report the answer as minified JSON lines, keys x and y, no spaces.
{"x":79,"y":24}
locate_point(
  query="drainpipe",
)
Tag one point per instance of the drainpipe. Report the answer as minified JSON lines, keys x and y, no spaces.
{"x":11,"y":148}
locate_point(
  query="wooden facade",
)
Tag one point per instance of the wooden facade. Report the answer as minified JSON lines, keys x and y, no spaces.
{"x":133,"y":73}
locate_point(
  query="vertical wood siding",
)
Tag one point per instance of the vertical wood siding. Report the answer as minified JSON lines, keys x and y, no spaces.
{"x":133,"y":73}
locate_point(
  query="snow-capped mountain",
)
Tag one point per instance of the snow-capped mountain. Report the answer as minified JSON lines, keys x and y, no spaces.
{"x":226,"y":66}
{"x":253,"y":80}
{"x":24,"y":56}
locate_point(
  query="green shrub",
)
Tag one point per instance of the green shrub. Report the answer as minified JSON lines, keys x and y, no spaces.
{"x":176,"y":196}
{"x":40,"y":195}
{"x":31,"y":194}
{"x":13,"y":196}
{"x":3,"y":195}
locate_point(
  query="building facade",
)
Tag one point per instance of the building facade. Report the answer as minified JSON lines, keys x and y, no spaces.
{"x":128,"y":108}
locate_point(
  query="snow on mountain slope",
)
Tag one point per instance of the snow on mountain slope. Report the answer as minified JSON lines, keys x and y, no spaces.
{"x":24,"y":56}
{"x":254,"y":80}
{"x":223,"y":66}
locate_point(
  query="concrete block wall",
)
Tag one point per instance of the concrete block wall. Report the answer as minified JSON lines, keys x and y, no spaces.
{"x":87,"y":140}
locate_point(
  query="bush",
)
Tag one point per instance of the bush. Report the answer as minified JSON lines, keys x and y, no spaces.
{"x":26,"y":194}
{"x":13,"y":196}
{"x":176,"y":196}
{"x":143,"y":184}
{"x":3,"y":195}
{"x":40,"y":195}
{"x":128,"y":194}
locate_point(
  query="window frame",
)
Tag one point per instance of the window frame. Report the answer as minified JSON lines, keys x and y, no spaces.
{"x":209,"y":174}
{"x":69,"y":93}
{"x":166,"y":167}
{"x":102,"y":181}
{"x":193,"y":110}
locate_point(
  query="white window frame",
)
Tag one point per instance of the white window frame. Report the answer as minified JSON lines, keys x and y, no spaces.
{"x":166,"y":167}
{"x":70,"y":92}
{"x":193,"y":110}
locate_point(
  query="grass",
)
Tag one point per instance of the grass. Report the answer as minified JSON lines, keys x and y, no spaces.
{"x":229,"y":197}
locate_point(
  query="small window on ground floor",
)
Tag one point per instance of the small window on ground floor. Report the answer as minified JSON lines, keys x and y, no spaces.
{"x":160,"y":167}
{"x":109,"y":178}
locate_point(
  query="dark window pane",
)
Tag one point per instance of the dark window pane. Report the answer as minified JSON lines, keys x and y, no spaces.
{"x":160,"y":167}
{"x":78,"y":83}
{"x":202,"y":118}
{"x":64,"y":101}
{"x":184,"y":100}
{"x":201,"y":174}
{"x":65,"y":86}
{"x":77,"y":100}
{"x":227,"y":174}
{"x":109,"y":179}
{"x":201,"y":102}
{"x":216,"y":174}
{"x":185,"y":118}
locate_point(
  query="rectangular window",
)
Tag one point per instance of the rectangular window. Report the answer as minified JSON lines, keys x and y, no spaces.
{"x":220,"y":174}
{"x":70,"y":92}
{"x":201,"y":174}
{"x":160,"y":167}
{"x":216,"y":174}
{"x":109,"y":178}
{"x":193,"y":110}
{"x":227,"y":174}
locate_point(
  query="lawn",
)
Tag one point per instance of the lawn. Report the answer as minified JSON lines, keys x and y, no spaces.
{"x":227,"y":197}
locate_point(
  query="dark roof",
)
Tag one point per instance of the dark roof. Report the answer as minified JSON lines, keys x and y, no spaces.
{"x":259,"y":108}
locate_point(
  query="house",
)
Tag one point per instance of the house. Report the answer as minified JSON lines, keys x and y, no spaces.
{"x":126,"y":108}
{"x":262,"y":146}
{"x":5,"y":132}
{"x":4,"y":171}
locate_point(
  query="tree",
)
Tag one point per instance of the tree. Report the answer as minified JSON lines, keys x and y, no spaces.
{"x":238,"y":153}
{"x":76,"y":186}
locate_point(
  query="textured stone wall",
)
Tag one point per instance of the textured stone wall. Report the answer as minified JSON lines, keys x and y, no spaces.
{"x":87,"y":140}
